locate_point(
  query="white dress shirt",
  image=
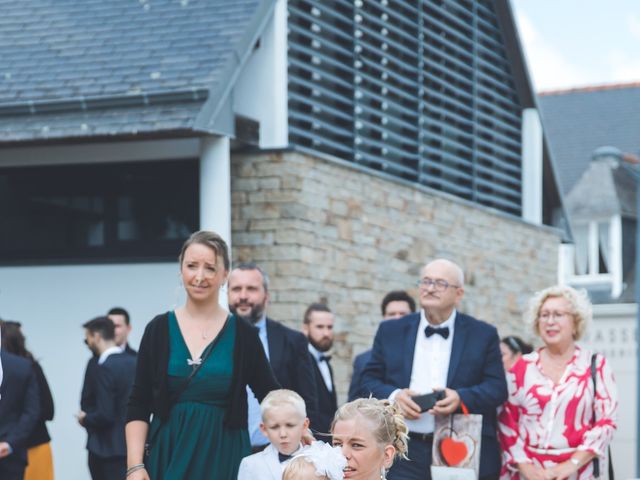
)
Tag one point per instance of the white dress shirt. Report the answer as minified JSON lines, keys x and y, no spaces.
{"x":264,"y":465}
{"x":430,"y":367}
{"x":255,"y":416}
{"x":323,"y":366}
{"x":107,"y":353}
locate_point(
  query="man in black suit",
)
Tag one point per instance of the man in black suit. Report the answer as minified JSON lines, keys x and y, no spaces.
{"x":104,"y":415}
{"x":122,"y":322}
{"x":318,"y":327}
{"x":19,"y":414}
{"x":395,"y":304}
{"x":248,"y":290}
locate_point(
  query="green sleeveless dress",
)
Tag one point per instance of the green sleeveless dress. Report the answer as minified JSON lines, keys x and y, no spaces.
{"x":194,"y":443}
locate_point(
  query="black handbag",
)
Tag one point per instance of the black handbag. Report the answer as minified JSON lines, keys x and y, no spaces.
{"x":596,"y":461}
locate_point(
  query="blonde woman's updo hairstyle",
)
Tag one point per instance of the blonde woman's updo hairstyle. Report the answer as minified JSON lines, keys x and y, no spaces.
{"x":580,"y":307}
{"x":388,"y":426}
{"x":211,"y":240}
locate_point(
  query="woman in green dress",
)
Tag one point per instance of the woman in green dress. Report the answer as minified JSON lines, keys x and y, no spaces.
{"x":194,"y":364}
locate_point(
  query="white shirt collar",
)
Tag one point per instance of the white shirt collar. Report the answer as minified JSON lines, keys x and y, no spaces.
{"x":108,"y":352}
{"x":449,"y":322}
{"x":262,"y":323}
{"x":316,"y":353}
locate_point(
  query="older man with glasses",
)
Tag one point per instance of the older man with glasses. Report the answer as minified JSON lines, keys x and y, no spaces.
{"x":439,"y":348}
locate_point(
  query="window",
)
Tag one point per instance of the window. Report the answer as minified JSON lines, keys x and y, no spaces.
{"x":97,"y":212}
{"x":595,"y":261}
{"x":592,"y":248}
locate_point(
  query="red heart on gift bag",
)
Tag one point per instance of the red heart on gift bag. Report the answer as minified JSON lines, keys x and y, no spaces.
{"x":453,"y":452}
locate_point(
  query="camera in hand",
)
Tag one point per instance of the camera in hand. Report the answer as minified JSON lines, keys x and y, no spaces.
{"x":428,"y":400}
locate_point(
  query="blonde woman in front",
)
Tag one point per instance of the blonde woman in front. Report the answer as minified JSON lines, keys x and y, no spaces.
{"x":371,"y":434}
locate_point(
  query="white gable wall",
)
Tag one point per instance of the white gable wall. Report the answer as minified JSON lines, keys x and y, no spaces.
{"x":52,"y":302}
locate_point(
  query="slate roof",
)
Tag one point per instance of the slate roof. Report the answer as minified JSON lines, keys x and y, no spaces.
{"x":606,"y":188}
{"x":577,"y":122}
{"x":76,"y":68}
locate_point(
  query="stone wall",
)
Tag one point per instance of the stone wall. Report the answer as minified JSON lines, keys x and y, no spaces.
{"x":326,"y":231}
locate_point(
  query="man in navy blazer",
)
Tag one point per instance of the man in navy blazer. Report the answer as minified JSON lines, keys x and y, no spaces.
{"x":105,"y":414}
{"x":19,"y":414}
{"x":286,"y":349}
{"x":439,"y":349}
{"x":395,"y":304}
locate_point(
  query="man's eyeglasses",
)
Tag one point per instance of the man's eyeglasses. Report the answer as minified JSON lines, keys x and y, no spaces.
{"x":438,"y":284}
{"x":546,"y":316}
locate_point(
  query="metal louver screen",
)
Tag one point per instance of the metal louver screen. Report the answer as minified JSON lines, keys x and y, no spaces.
{"x":419,"y":89}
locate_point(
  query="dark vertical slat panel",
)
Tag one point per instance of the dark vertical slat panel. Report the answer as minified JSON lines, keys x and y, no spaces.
{"x":418,"y":89}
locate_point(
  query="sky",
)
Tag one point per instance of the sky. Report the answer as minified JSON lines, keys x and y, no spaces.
{"x":577,"y":43}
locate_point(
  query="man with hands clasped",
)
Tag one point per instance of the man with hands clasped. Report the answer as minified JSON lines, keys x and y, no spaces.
{"x":439,"y":349}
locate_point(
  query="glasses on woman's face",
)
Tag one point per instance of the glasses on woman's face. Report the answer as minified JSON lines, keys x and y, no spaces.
{"x":438,"y":284}
{"x":557,"y":315}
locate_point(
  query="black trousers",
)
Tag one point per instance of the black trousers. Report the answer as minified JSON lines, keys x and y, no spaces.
{"x":111,"y":468}
{"x":418,"y":467}
{"x":11,"y":474}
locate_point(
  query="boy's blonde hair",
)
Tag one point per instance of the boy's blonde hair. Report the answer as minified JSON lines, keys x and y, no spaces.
{"x":278,"y":398}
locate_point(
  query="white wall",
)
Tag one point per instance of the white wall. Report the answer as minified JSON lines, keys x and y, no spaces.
{"x":52,"y":303}
{"x":532,"y":143}
{"x":261,"y":90}
{"x":613,"y":333}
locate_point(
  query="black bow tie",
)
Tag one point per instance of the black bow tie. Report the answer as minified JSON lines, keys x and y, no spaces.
{"x":324,"y":358}
{"x":429,"y":330}
{"x":283,"y":457}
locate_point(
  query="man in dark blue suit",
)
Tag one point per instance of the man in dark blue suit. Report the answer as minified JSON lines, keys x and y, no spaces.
{"x":19,"y":414}
{"x":104,"y":417}
{"x":395,"y":304}
{"x":286,"y":349}
{"x":439,"y":349}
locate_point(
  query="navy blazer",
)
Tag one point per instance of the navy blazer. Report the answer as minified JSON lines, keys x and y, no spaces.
{"x":87,"y":395}
{"x":356,"y":388}
{"x":19,"y":409}
{"x":291,"y":364}
{"x":475,"y":371}
{"x":105,"y":418}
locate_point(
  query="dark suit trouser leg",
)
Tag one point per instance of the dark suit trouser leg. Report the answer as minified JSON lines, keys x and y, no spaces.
{"x":11,"y":474}
{"x":418,"y":467}
{"x":112,"y":468}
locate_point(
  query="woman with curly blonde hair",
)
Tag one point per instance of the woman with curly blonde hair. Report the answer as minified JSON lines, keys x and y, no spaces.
{"x":371,"y":434}
{"x":558,"y":420}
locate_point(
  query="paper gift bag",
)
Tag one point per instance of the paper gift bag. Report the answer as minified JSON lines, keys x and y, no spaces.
{"x":456,"y":447}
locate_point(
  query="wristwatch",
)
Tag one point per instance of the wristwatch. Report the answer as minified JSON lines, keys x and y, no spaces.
{"x":575,"y":461}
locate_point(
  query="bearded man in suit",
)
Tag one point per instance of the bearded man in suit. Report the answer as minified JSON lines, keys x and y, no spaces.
{"x":286,"y":349}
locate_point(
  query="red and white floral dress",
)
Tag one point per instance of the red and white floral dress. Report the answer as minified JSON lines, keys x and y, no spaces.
{"x":545,"y":423}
